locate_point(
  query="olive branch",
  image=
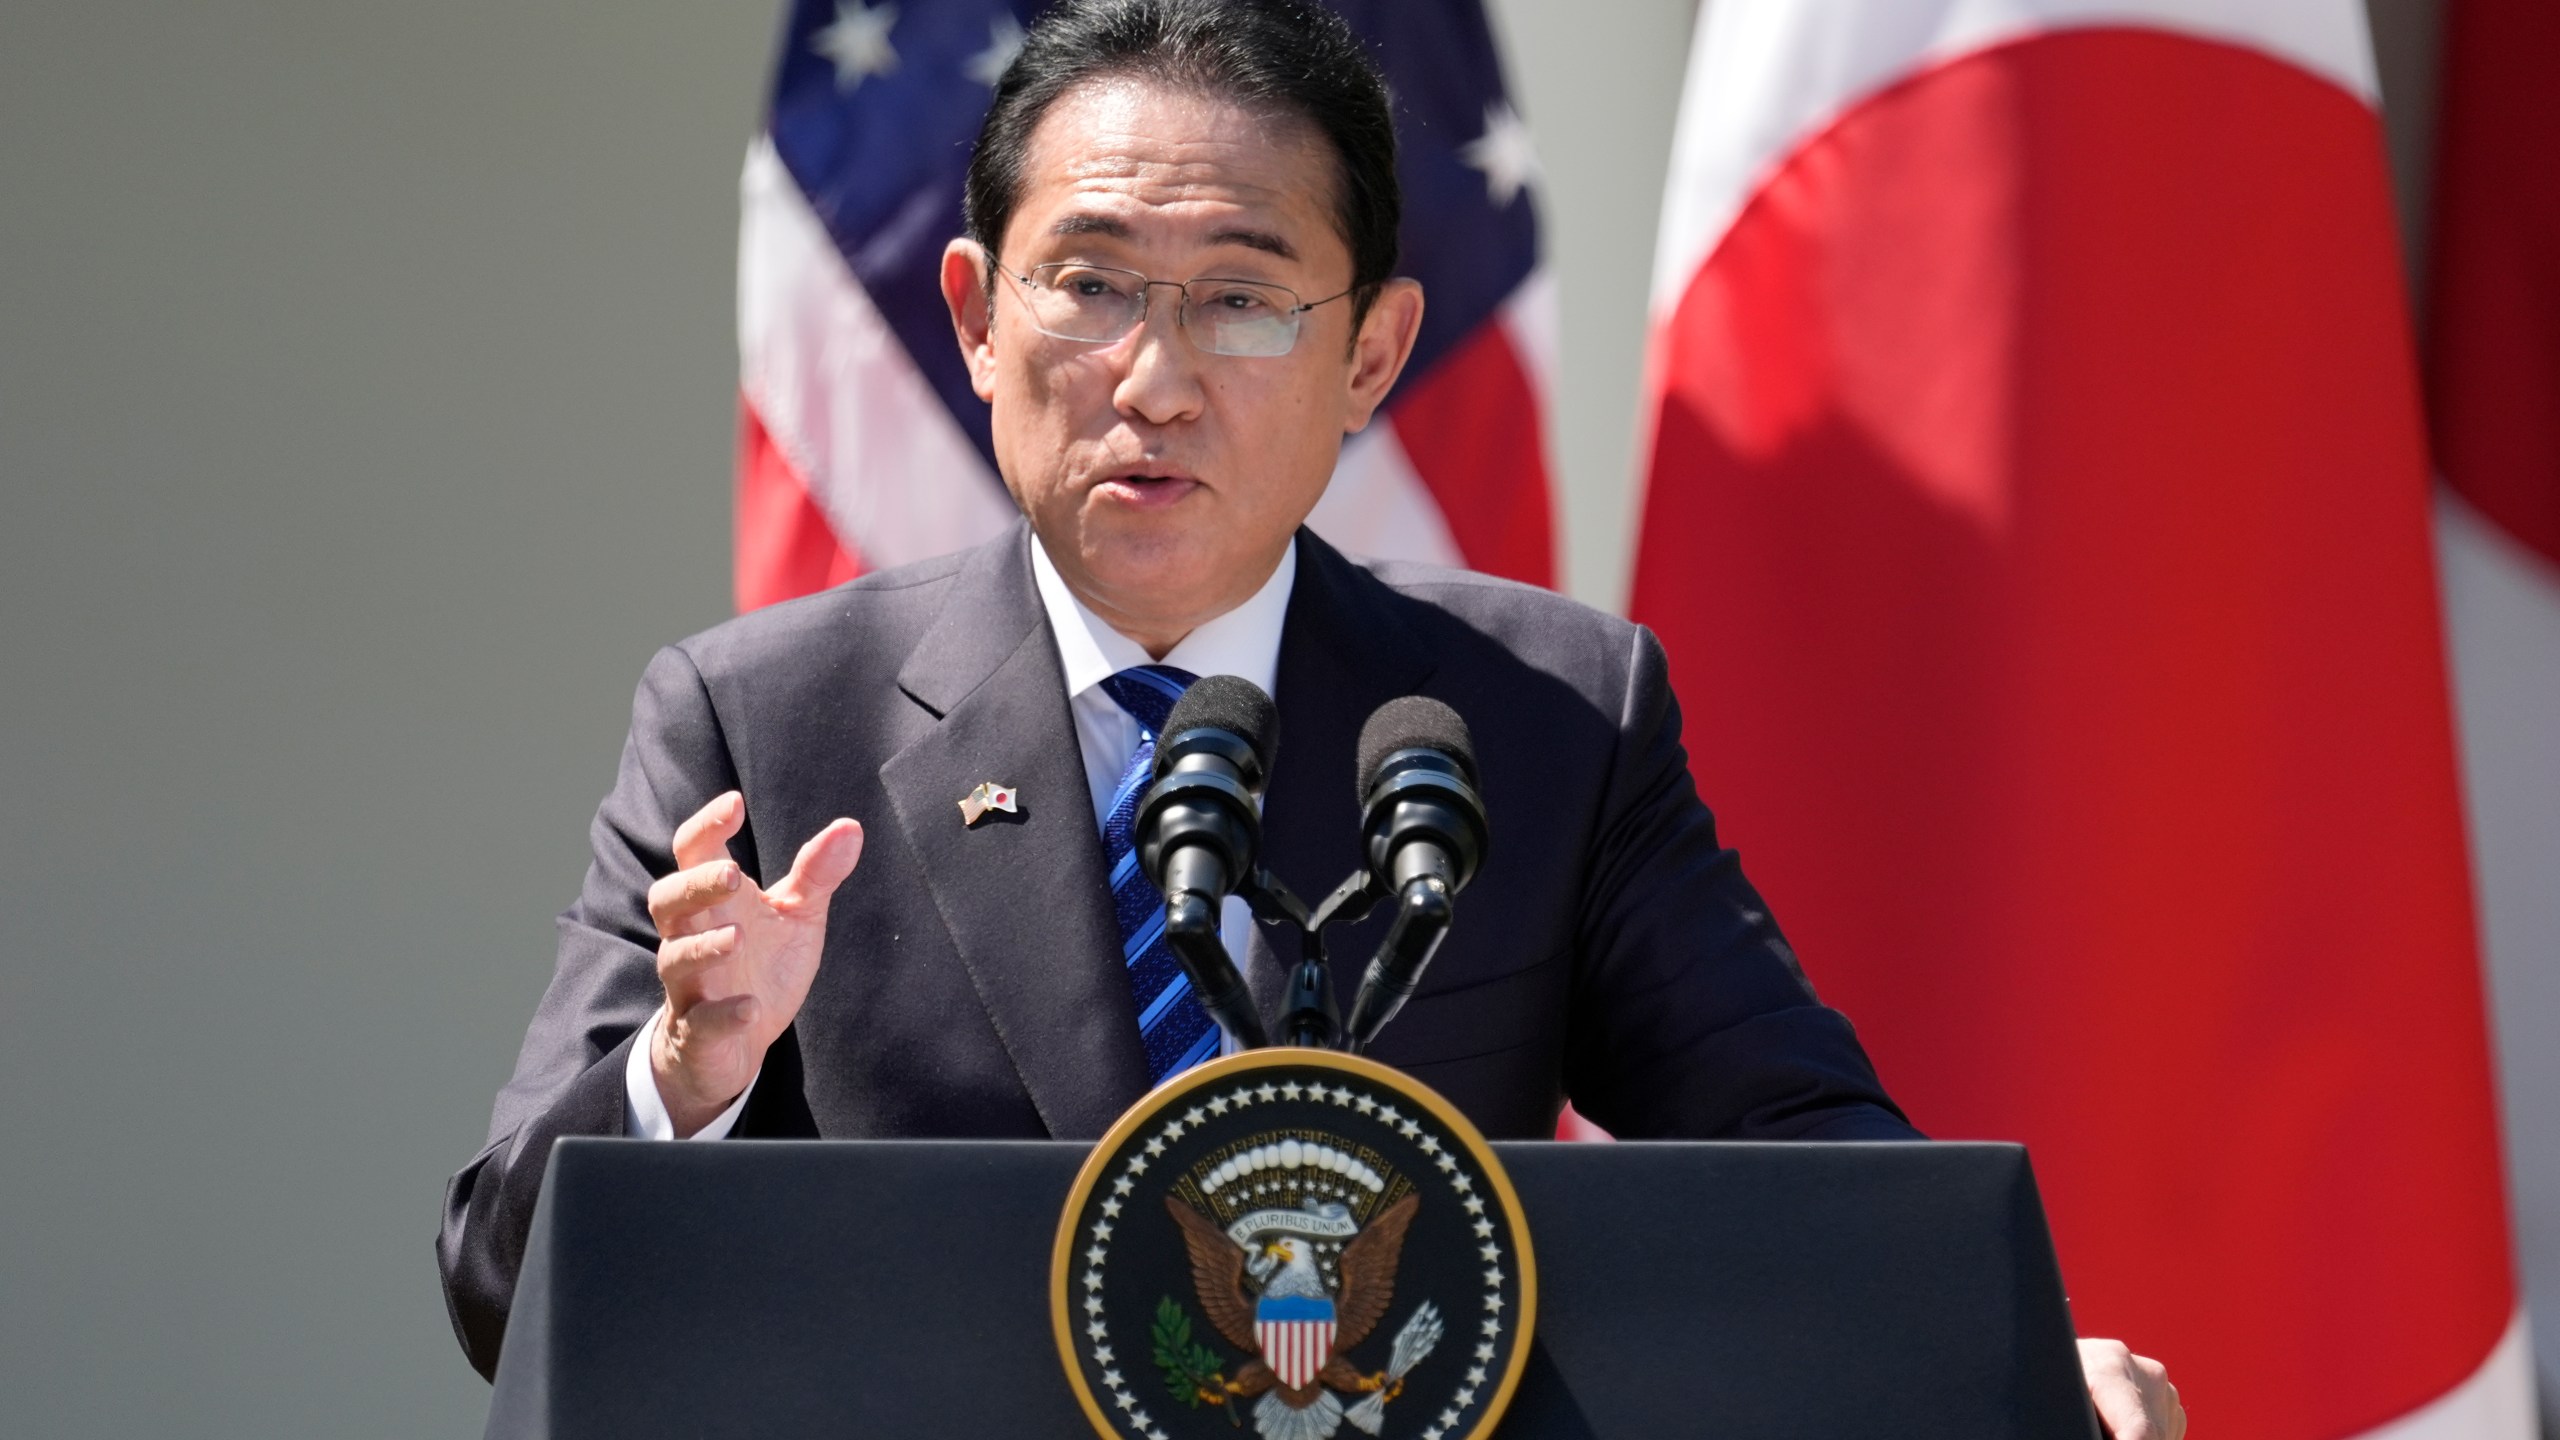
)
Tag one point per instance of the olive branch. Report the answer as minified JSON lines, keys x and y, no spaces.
{"x":1191,"y":1369}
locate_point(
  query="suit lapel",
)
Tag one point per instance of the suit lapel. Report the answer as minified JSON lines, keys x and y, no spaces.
{"x":1023,"y":896}
{"x":1343,"y":653}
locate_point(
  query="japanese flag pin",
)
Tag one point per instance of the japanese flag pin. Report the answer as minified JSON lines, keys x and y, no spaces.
{"x":990,"y":795}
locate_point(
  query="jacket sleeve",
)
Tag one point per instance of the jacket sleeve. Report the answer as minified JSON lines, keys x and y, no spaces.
{"x":604,"y":986}
{"x":1692,"y":1018}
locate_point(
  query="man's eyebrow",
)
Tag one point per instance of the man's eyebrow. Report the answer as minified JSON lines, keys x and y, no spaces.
{"x":1262,"y":240}
{"x":1111,"y":228}
{"x":1102,"y":225}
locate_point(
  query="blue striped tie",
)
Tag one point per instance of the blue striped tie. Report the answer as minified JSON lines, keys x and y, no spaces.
{"x":1175,"y":1030}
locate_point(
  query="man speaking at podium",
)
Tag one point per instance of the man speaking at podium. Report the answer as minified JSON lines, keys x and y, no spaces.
{"x":1177,"y":296}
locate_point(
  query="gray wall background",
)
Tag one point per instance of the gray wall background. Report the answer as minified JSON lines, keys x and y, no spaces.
{"x":365,"y":406}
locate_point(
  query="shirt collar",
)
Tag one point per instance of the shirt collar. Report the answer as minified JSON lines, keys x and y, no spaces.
{"x":1244,"y":641}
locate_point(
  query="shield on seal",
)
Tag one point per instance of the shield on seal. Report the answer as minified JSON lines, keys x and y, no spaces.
{"x":1296,"y":1333}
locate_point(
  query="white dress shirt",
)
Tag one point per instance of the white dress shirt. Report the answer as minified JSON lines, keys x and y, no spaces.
{"x":1244,"y":641}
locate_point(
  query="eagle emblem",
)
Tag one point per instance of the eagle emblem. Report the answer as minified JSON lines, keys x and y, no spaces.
{"x":1298,"y":1244}
{"x":1298,"y":1288}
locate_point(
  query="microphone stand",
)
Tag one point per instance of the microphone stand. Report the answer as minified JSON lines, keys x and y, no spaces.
{"x":1311,"y":1018}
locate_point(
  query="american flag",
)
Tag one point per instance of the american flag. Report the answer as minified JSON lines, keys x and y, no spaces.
{"x":861,"y":445}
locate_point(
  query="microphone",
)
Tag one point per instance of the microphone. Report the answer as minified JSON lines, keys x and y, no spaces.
{"x":1199,"y":831}
{"x":1425,"y":831}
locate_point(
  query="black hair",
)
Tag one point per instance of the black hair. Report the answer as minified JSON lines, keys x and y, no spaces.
{"x":1278,"y":57}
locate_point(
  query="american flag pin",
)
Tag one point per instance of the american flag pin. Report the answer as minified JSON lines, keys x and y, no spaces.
{"x":990,"y":795}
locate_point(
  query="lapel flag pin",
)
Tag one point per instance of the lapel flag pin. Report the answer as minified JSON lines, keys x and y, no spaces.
{"x":989,"y":795}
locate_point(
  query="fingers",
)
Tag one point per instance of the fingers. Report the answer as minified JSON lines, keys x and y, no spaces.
{"x":2111,"y":1390}
{"x":2168,"y":1414}
{"x":682,"y":960}
{"x":686,"y":902}
{"x":705,"y":835}
{"x":2163,"y":1417}
{"x":821,"y":865}
{"x":2120,"y":1413}
{"x":2131,"y":1393}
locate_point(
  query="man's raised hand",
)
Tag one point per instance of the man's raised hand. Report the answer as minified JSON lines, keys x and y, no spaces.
{"x":736,"y":960}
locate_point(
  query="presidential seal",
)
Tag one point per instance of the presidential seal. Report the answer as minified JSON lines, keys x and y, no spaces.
{"x":1292,"y":1241}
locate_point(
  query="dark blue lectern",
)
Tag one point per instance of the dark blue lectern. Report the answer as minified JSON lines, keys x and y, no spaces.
{"x":900,"y":1288}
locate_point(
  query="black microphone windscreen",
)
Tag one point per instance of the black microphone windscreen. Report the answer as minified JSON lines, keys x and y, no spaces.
{"x":1233,"y":704}
{"x":1413,"y":722}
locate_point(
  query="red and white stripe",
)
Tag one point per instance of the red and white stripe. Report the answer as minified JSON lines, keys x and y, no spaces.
{"x":1455,"y":472}
{"x":849,"y":462}
{"x":1295,"y":1349}
{"x":2037,"y":521}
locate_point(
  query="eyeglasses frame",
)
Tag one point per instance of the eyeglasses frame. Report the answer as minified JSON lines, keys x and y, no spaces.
{"x":1182,"y":307}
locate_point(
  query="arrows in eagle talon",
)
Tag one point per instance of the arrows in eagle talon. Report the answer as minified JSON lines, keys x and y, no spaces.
{"x":1412,"y":1343}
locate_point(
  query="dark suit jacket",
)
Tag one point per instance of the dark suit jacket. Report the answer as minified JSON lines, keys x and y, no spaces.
{"x":1609,"y":950}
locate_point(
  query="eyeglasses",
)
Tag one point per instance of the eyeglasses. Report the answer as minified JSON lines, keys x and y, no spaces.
{"x":1096,"y":305}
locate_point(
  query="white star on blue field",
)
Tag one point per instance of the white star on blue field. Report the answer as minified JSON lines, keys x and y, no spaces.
{"x":858,"y":42}
{"x":1503,"y":153}
{"x":1004,"y":41}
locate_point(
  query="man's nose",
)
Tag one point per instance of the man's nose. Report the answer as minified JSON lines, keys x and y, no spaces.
{"x":1162,"y":382}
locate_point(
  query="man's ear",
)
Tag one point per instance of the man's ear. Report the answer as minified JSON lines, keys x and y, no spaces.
{"x":966,"y":272}
{"x":1379,"y":351}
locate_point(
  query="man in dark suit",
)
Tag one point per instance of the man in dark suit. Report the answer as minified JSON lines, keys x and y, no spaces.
{"x":728,"y":969}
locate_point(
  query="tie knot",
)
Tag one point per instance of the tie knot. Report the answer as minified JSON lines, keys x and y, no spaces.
{"x":1147,"y":692}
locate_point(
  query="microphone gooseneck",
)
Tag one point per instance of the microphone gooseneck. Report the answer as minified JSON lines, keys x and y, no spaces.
{"x":1199,"y":832}
{"x":1424,"y":832}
